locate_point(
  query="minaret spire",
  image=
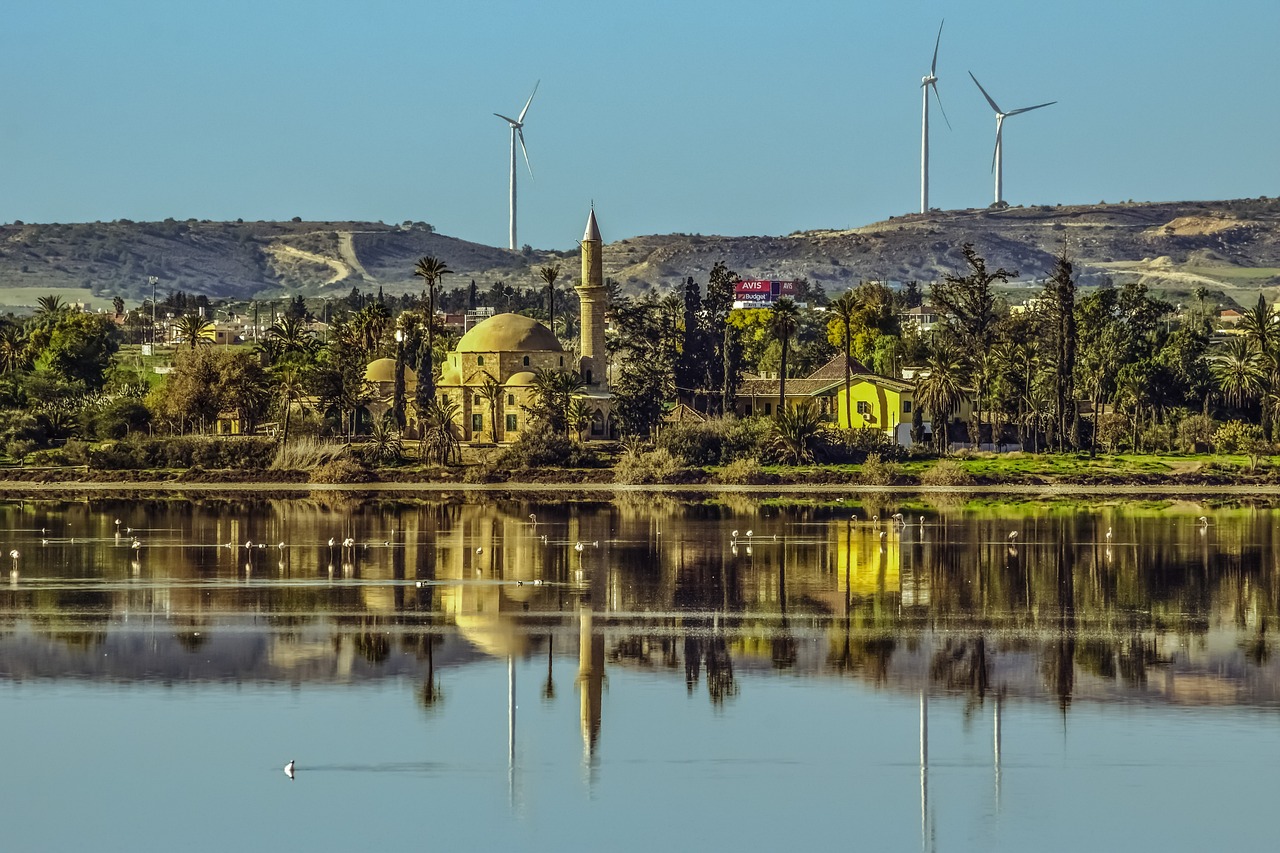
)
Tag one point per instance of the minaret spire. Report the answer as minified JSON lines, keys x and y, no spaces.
{"x":593,"y":297}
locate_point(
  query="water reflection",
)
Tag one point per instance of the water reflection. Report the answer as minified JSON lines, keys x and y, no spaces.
{"x":1173,"y":606}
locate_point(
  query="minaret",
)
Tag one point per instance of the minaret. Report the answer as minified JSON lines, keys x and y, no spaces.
{"x":593,"y":299}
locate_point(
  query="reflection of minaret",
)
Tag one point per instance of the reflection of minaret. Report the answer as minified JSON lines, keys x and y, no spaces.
{"x":593,"y":297}
{"x":590,"y":682}
{"x":995,"y":750}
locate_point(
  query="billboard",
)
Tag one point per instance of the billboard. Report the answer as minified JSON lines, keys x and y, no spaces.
{"x":763,"y":291}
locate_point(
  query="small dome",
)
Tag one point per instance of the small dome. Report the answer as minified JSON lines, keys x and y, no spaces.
{"x":384,"y":370}
{"x":523,"y":378}
{"x":509,"y":333}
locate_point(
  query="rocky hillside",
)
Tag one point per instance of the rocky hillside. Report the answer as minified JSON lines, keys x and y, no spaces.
{"x":1231,"y":247}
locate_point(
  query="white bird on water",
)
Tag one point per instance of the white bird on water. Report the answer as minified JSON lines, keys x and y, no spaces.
{"x":577,"y":546}
{"x":288,"y":769}
{"x":1108,"y":535}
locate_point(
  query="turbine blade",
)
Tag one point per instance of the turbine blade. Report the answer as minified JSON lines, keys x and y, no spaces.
{"x":525,"y":151}
{"x":527,"y":103}
{"x":996,"y":150}
{"x":938,"y":98}
{"x":933,"y":69}
{"x":508,"y":120}
{"x":990,"y":101}
{"x":1029,"y":109}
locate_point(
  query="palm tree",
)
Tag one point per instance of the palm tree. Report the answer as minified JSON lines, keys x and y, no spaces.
{"x":50,"y":305}
{"x":549,"y":275}
{"x":939,"y":391}
{"x":439,"y":433}
{"x":1239,"y":371}
{"x":553,"y":392}
{"x":193,"y":330}
{"x":431,"y":270}
{"x":794,"y":431}
{"x":13,"y":349}
{"x":491,"y":390}
{"x":845,"y":308}
{"x":783,"y":322}
{"x":292,"y":335}
{"x":385,"y":442}
{"x":290,"y":390}
{"x":1259,"y":325}
{"x":579,"y":417}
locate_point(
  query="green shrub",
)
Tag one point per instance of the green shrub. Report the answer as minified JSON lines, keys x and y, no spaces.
{"x":877,"y":472}
{"x":839,"y":446}
{"x":210,"y":452}
{"x":947,"y":472}
{"x":1158,"y":438}
{"x":1237,"y":437}
{"x":544,"y":448}
{"x":743,"y":472}
{"x":1195,"y":433}
{"x":716,"y":441}
{"x":646,"y":467}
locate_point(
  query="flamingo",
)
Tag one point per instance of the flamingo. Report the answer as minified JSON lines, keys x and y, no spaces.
{"x":1013,"y":534}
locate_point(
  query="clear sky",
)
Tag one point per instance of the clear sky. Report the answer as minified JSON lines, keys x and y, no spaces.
{"x":705,"y":117}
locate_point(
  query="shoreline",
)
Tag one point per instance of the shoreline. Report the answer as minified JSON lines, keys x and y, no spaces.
{"x":18,"y":488}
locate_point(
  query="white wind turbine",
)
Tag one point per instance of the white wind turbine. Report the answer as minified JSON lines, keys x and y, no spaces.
{"x":997,"y":165}
{"x":517,"y":129}
{"x":927,"y":82}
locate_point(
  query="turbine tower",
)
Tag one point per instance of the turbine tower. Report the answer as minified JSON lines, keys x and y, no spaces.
{"x":929,"y":81}
{"x":997,"y":165}
{"x":517,"y":130}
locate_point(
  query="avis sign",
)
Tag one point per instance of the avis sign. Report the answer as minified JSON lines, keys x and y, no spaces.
{"x":763,"y":290}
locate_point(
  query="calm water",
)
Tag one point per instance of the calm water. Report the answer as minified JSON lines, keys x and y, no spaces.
{"x":628,"y":675}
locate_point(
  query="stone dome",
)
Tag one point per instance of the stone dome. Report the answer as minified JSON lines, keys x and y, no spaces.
{"x":384,"y":370}
{"x":509,"y":333}
{"x":523,"y":378}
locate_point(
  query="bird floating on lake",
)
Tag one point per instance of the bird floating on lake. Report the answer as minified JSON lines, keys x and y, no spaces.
{"x":577,"y":546}
{"x":288,"y":769}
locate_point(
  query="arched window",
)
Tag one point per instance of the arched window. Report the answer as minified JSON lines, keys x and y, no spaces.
{"x":480,"y":360}
{"x":588,"y":377}
{"x":476,"y":400}
{"x":511,"y":399}
{"x":526,"y":361}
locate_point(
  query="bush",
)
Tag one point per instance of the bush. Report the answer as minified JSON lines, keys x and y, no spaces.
{"x":139,"y":451}
{"x":947,"y":472}
{"x":716,"y":441}
{"x":484,"y":472}
{"x":71,"y":453}
{"x":743,"y":472}
{"x":339,"y":471}
{"x":1113,"y":428}
{"x":876,"y":472}
{"x":544,"y":448}
{"x":1237,"y":437}
{"x":646,"y":467}
{"x":306,"y":453}
{"x":855,"y":445}
{"x":1158,"y":438}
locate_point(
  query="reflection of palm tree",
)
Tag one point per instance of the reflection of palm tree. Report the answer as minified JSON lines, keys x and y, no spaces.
{"x":549,"y":689}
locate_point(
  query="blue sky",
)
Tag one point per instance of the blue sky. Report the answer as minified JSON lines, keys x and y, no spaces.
{"x":704,"y":117}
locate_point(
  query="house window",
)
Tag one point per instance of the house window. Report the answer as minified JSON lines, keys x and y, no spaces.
{"x":480,"y":360}
{"x":906,"y":407}
{"x":864,"y":408}
{"x":526,"y":361}
{"x":588,"y":377}
{"x":511,"y":423}
{"x":477,"y":422}
{"x":768,"y":408}
{"x":476,"y":400}
{"x":562,"y":361}
{"x":511,"y":399}
{"x":746,"y":410}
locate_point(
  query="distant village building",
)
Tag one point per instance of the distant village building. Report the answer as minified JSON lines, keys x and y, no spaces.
{"x":922,"y":318}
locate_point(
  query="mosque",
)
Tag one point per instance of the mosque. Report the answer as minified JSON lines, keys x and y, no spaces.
{"x":508,"y":349}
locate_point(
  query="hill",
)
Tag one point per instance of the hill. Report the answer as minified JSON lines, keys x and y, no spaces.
{"x":1229,"y":247}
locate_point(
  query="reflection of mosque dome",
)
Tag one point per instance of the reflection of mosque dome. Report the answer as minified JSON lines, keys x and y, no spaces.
{"x":523,"y":378}
{"x":509,"y":333}
{"x":384,"y":370}
{"x":492,"y":634}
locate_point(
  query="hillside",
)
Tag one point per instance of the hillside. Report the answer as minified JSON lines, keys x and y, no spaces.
{"x":1232,"y":247}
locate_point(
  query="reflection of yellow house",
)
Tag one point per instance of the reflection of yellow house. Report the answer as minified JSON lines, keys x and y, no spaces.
{"x":866,"y":565}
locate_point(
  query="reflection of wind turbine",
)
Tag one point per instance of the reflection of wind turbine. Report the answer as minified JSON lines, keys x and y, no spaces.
{"x":997,"y":164}
{"x":929,"y":81}
{"x":517,"y":130}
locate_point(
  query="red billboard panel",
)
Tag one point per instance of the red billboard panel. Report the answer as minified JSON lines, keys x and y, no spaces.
{"x":770,"y":289}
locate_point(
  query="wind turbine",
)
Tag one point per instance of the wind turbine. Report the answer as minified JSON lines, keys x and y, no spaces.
{"x":929,"y":80}
{"x":996,"y":164}
{"x":517,"y":129}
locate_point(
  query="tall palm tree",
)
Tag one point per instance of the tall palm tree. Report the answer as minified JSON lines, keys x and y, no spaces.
{"x":939,"y":391}
{"x":1260,"y":326}
{"x":292,"y":334}
{"x":491,"y":391}
{"x":783,"y":322}
{"x":846,"y":308}
{"x":289,"y":389}
{"x":193,"y":330}
{"x":1239,"y":372}
{"x":13,"y":349}
{"x":549,"y":275}
{"x":431,"y":270}
{"x":439,"y":431}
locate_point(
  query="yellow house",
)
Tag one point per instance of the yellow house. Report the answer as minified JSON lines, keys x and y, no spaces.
{"x":877,"y":402}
